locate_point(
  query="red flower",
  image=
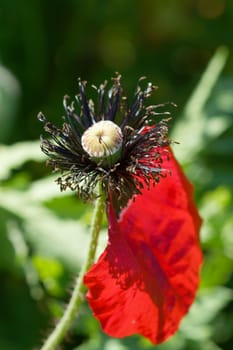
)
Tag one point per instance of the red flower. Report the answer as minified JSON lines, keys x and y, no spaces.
{"x":147,"y":277}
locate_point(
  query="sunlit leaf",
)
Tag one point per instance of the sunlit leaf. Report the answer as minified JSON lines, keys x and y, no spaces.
{"x":9,"y":99}
{"x":17,"y":154}
{"x":194,"y":127}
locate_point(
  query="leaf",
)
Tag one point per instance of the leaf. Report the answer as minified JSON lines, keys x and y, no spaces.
{"x":192,"y":129}
{"x":9,"y":99}
{"x":50,"y":235}
{"x":206,"y":308}
{"x":17,"y":154}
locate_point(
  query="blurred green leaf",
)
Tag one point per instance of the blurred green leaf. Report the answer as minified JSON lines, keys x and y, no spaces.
{"x":50,"y":235}
{"x":7,"y":256}
{"x":216,"y":208}
{"x":50,"y":272}
{"x":9,"y":99}
{"x":16,"y":155}
{"x":194,"y":129}
{"x":205,"y":309}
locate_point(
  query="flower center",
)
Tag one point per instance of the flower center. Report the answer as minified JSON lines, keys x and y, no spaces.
{"x":102,"y":140}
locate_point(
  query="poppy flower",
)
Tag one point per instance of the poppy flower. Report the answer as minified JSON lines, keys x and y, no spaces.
{"x":146,"y":279}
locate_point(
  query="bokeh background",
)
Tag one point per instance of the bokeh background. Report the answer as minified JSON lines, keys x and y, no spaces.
{"x":184,"y":47}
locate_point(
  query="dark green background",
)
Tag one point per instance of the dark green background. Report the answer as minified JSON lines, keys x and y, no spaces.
{"x":44,"y":47}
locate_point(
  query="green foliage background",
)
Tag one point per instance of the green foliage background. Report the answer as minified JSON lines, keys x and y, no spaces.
{"x":44,"y":47}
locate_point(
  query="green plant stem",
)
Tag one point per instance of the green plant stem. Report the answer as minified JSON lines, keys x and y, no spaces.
{"x":70,"y":313}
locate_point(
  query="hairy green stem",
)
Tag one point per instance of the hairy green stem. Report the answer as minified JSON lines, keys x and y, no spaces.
{"x":59,"y":332}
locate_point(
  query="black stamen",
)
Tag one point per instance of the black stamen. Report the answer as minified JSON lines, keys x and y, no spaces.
{"x":143,"y":149}
{"x":84,"y":104}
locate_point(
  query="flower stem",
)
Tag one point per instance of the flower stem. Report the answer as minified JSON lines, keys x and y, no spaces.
{"x":59,"y":332}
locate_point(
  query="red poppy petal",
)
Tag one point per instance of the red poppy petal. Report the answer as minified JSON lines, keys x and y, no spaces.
{"x":146,"y":279}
